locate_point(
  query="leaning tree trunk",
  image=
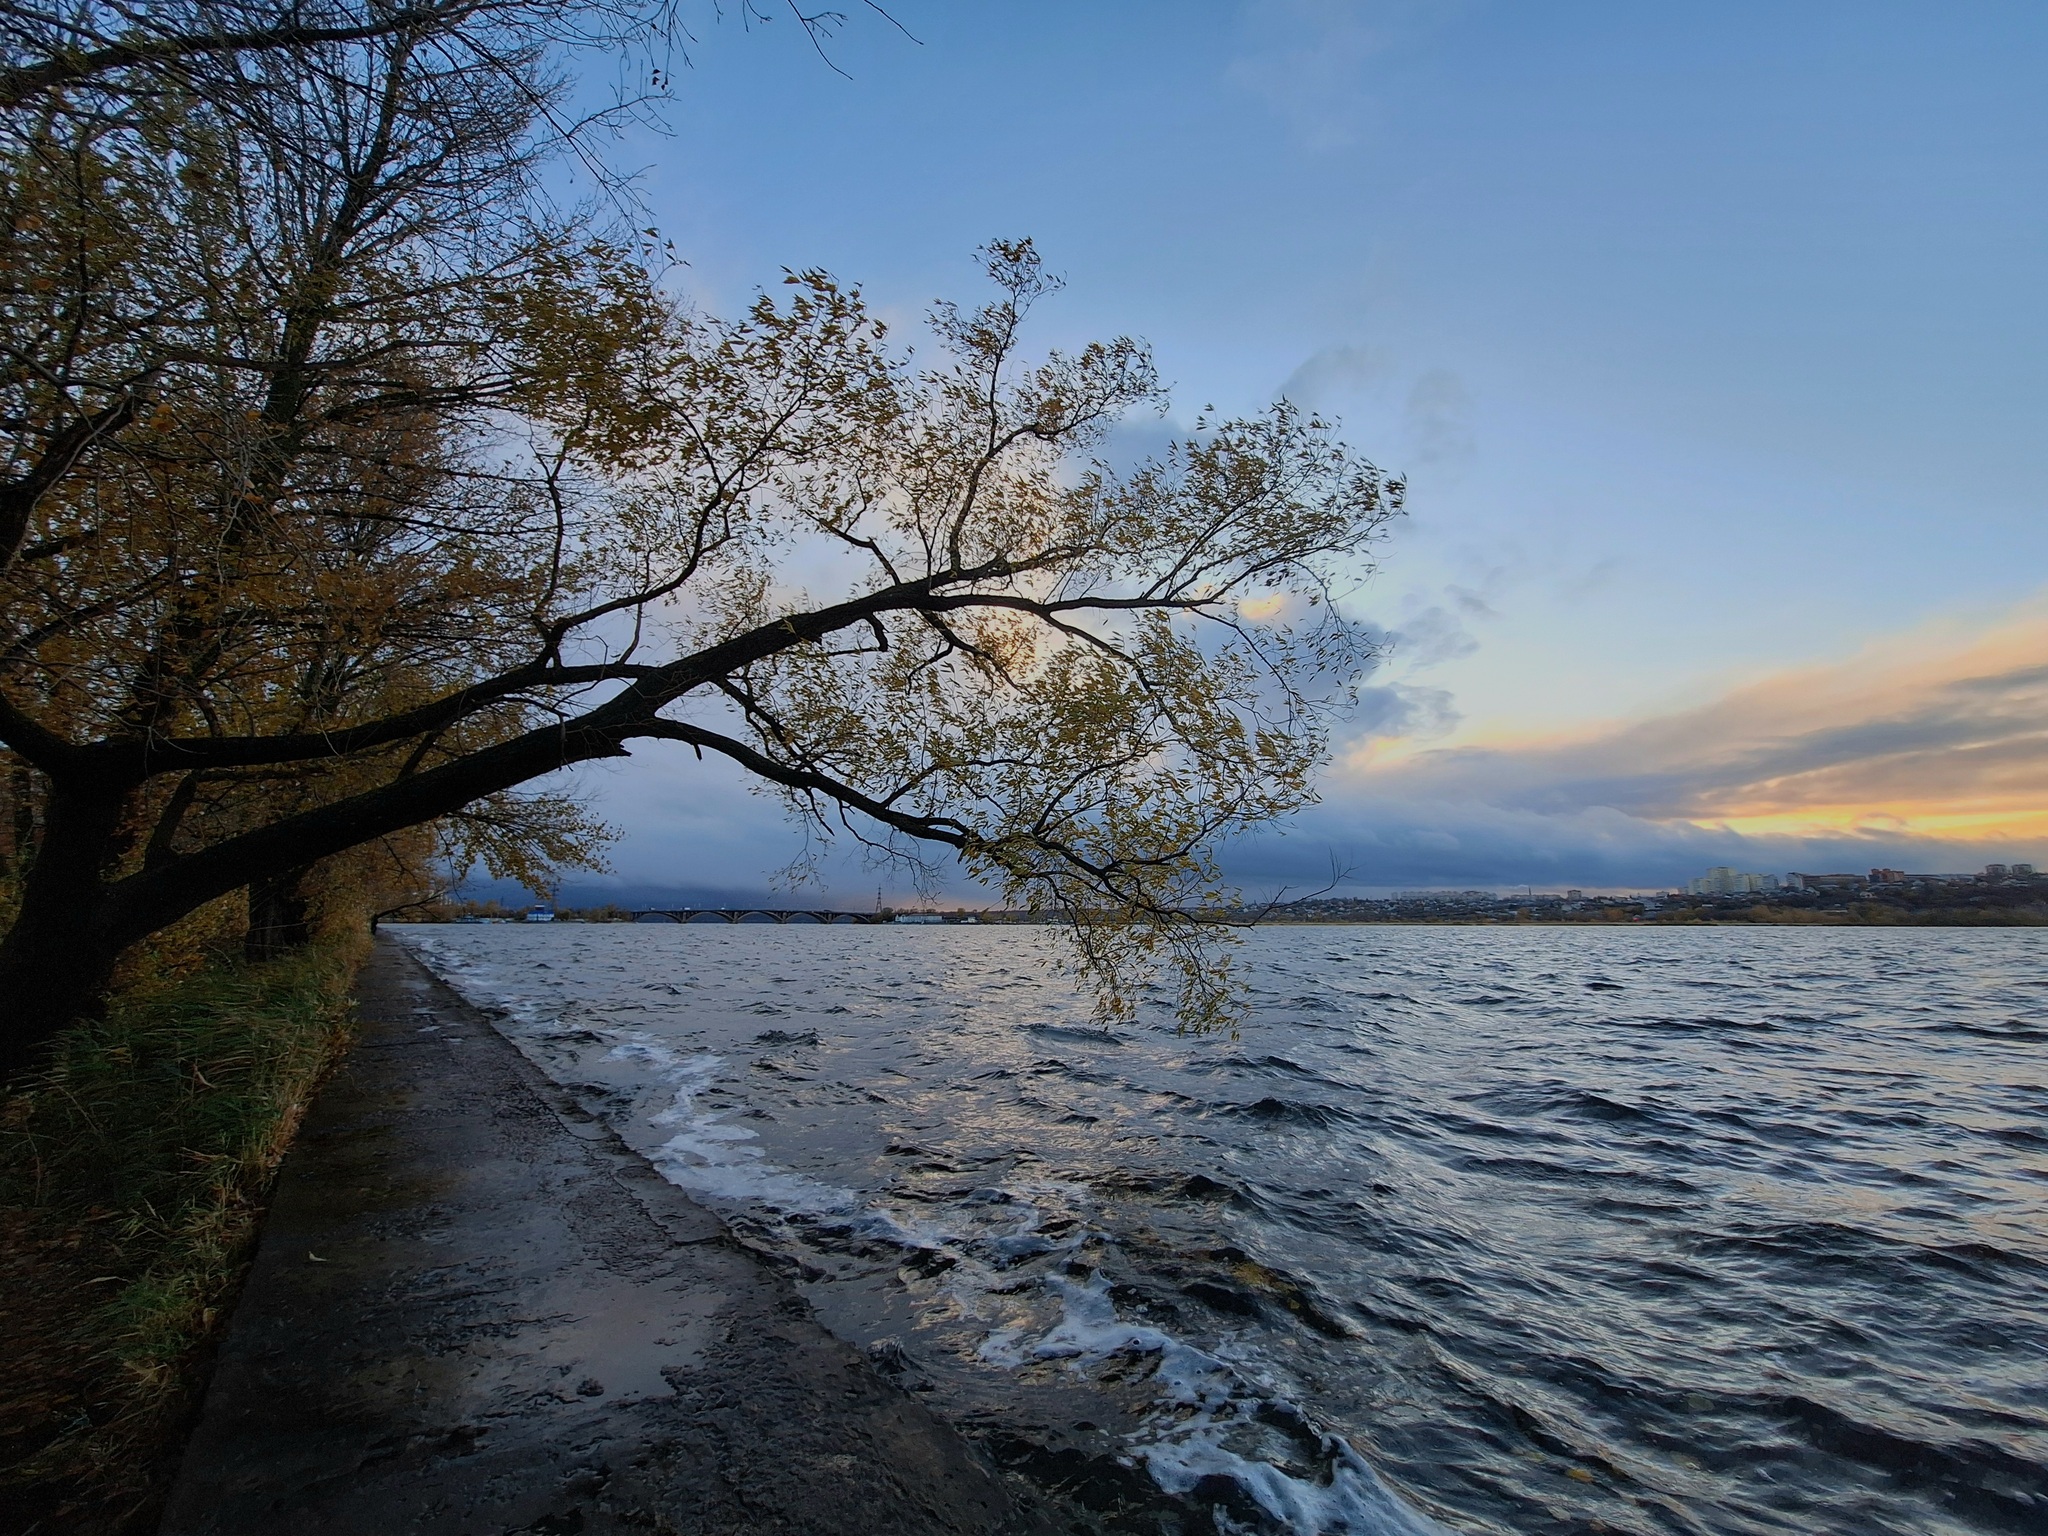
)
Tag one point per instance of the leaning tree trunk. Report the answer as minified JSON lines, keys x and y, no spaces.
{"x":58,"y":959}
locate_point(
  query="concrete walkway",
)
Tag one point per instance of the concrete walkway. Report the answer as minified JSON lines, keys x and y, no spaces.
{"x":475,"y":1312}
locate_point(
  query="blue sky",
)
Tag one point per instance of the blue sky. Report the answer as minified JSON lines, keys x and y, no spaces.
{"x":1711,"y":338}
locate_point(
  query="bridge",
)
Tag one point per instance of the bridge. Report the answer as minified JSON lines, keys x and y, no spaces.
{"x":753,"y":915}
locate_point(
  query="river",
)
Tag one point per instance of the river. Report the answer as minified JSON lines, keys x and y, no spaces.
{"x":1478,"y":1230}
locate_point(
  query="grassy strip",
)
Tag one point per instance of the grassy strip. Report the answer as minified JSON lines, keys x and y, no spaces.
{"x":132,"y":1178}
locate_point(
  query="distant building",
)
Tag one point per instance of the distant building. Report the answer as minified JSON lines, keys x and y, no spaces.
{"x":541,"y":914}
{"x":1887,"y":877}
{"x":1995,"y":871}
{"x":1806,"y":882}
{"x":918,"y":917}
{"x":1721,"y":880}
{"x":1575,"y":894}
{"x":2022,"y":871}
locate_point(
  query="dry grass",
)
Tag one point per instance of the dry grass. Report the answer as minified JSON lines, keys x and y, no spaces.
{"x":132,"y":1178}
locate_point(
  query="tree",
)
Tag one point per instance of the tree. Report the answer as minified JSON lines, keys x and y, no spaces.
{"x":358,"y":488}
{"x":200,"y":45}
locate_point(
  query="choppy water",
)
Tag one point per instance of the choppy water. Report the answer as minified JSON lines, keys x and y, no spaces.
{"x":1479,"y":1230}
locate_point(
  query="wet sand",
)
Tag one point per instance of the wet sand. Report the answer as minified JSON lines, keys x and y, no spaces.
{"x":473,"y":1309}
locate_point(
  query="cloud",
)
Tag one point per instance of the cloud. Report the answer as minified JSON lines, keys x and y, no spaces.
{"x":1332,"y":373}
{"x":1423,"y":421}
{"x":1405,"y":711}
{"x":1433,"y":634}
{"x":1309,"y":61}
{"x":1929,"y":750}
{"x":1439,"y":423}
{"x":1939,"y":737}
{"x":1397,"y":843}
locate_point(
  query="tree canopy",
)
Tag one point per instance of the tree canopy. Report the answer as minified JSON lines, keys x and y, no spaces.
{"x":349,"y":485}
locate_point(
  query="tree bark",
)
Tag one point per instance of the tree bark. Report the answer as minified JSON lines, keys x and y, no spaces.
{"x":58,"y":959}
{"x":21,"y":794}
{"x":280,"y":914}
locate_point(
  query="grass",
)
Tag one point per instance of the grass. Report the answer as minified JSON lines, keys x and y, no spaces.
{"x":133,"y":1172}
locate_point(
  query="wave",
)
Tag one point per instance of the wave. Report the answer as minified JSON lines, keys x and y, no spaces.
{"x":1481,"y":1245}
{"x":1276,"y":1111}
{"x":1203,"y":1403}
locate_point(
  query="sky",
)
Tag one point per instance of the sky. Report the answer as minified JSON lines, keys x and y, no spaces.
{"x":1711,"y":338}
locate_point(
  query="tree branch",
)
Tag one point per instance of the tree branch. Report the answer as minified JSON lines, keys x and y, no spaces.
{"x":24,"y":82}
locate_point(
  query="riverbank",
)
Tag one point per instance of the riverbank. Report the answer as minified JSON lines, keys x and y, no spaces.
{"x":133,"y":1172}
{"x":474,"y":1308}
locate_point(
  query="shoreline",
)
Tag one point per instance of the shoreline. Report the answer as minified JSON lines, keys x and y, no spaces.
{"x":473,"y":1307}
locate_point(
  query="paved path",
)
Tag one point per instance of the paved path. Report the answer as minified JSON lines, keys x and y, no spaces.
{"x":475,"y":1312}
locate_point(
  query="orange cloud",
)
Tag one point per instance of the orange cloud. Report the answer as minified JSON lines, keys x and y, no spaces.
{"x":1934,"y":734}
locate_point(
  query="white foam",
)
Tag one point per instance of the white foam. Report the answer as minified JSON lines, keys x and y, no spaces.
{"x":710,"y":1157}
{"x":1354,"y":1502}
{"x":1202,"y":1399}
{"x":706,"y":1156}
{"x":1089,"y":1331}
